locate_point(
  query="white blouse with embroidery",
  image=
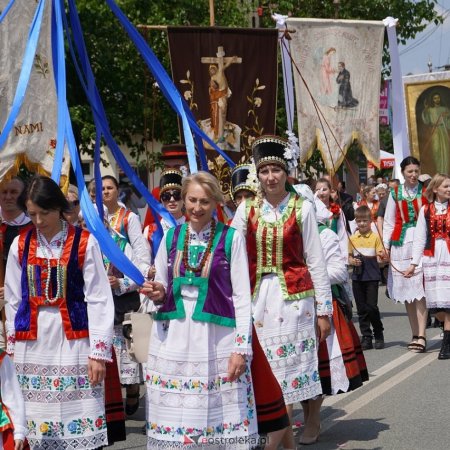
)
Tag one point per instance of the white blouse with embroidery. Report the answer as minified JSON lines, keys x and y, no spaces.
{"x":312,"y":249}
{"x":97,"y":293}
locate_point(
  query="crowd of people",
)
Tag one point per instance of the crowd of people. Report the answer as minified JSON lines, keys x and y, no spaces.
{"x":247,"y":318}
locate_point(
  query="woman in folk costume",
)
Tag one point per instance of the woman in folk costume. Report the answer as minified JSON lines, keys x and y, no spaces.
{"x":59,"y":324}
{"x":13,"y":426}
{"x":199,"y":387}
{"x":288,"y":278}
{"x":400,"y":220}
{"x":337,"y":221}
{"x":270,"y":407}
{"x":125,"y":229}
{"x":342,"y":365}
{"x":432,"y":247}
{"x":170,"y":197}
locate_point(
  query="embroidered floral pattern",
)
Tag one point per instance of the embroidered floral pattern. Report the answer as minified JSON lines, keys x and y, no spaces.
{"x":50,"y":383}
{"x":189,"y":385}
{"x":55,"y":429}
{"x":301,"y":381}
{"x":101,"y":348}
{"x":307,"y":345}
{"x":241,"y":339}
{"x":224,"y":428}
{"x":10,"y":343}
{"x":285,"y":350}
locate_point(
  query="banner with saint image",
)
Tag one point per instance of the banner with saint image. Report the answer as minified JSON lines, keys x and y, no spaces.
{"x":32,"y":141}
{"x":338,"y":92}
{"x":228,"y":76}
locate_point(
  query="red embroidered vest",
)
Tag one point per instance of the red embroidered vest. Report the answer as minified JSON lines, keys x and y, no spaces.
{"x":72,"y":305}
{"x":278,"y":248}
{"x":406,"y":213}
{"x":438,"y":227}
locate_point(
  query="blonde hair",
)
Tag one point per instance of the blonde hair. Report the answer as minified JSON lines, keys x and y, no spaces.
{"x":435,"y":182}
{"x":73,"y":190}
{"x":208,"y":182}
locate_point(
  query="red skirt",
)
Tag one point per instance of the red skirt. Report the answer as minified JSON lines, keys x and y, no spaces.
{"x":352,"y":355}
{"x":270,"y":407}
{"x":114,"y":411}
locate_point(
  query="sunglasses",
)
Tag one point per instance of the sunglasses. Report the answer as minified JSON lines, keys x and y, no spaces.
{"x":168,"y":195}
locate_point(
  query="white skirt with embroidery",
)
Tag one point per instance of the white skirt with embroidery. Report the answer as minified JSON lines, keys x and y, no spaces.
{"x":190,"y":404}
{"x":130,"y":371}
{"x":403,"y":289}
{"x":436,"y":271}
{"x":287,"y":332}
{"x":63,"y":411}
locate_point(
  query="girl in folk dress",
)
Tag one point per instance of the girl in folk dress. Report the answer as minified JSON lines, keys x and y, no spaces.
{"x":400,"y":219}
{"x":199,"y":387}
{"x":432,"y":247}
{"x":59,"y":324}
{"x":126,"y":231}
{"x":289,"y":280}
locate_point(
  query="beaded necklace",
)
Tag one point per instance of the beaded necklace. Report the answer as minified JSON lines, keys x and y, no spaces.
{"x":204,"y":258}
{"x":59,"y":268}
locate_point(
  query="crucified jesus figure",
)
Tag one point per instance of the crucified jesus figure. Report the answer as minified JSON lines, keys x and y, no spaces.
{"x":219,"y":91}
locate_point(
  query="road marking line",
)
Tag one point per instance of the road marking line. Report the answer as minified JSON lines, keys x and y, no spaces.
{"x":364,"y":399}
{"x":376,"y":374}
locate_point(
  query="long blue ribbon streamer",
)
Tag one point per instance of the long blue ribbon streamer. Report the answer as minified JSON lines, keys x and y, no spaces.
{"x":24,"y":77}
{"x":101,"y":121}
{"x":6,"y":10}
{"x":60,"y":79}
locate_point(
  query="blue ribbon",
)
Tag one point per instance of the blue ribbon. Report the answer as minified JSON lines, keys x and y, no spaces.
{"x":6,"y":10}
{"x":60,"y":80}
{"x":24,"y":77}
{"x":101,"y":121}
{"x":168,"y":88}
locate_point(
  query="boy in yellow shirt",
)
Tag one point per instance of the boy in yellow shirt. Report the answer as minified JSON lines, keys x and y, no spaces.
{"x":365,"y":251}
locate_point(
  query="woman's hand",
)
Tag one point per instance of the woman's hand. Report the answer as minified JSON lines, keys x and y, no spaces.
{"x":96,"y":371}
{"x":151,"y":273}
{"x":114,"y":282}
{"x":409,"y":272}
{"x":323,"y":328}
{"x":18,"y":444}
{"x":236,"y":366}
{"x":154,"y":291}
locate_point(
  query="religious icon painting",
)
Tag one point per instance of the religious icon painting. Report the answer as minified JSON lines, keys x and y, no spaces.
{"x":428,"y":109}
{"x":337,"y":65}
{"x":228,"y":77}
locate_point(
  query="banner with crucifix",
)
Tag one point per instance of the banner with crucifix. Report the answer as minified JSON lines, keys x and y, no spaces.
{"x":228,"y":76}
{"x":337,"y":74}
{"x":31,"y":143}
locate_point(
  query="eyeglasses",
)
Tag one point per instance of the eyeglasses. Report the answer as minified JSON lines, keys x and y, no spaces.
{"x":168,"y":195}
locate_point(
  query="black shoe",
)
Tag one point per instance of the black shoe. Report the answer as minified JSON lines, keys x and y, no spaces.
{"x":444,"y":353}
{"x":366,"y":343}
{"x":379,"y":344}
{"x":131,"y":409}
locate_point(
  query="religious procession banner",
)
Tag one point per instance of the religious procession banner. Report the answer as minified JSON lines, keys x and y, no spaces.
{"x":32,"y":141}
{"x":337,"y":74}
{"x":427,"y":99}
{"x":228,"y":76}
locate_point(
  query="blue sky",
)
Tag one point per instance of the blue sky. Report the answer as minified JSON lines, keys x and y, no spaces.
{"x":432,"y":43}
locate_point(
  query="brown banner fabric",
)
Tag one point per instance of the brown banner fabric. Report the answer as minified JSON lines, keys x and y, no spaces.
{"x":228,"y":76}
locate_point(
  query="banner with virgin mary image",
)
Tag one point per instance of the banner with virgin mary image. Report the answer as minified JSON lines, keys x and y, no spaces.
{"x":228,"y":76}
{"x":31,"y":143}
{"x":337,"y":74}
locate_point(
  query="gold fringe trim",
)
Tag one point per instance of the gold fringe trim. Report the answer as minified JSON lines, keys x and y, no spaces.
{"x":22,"y":160}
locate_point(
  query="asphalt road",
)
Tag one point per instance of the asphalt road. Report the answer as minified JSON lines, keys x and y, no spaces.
{"x":404,"y":406}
